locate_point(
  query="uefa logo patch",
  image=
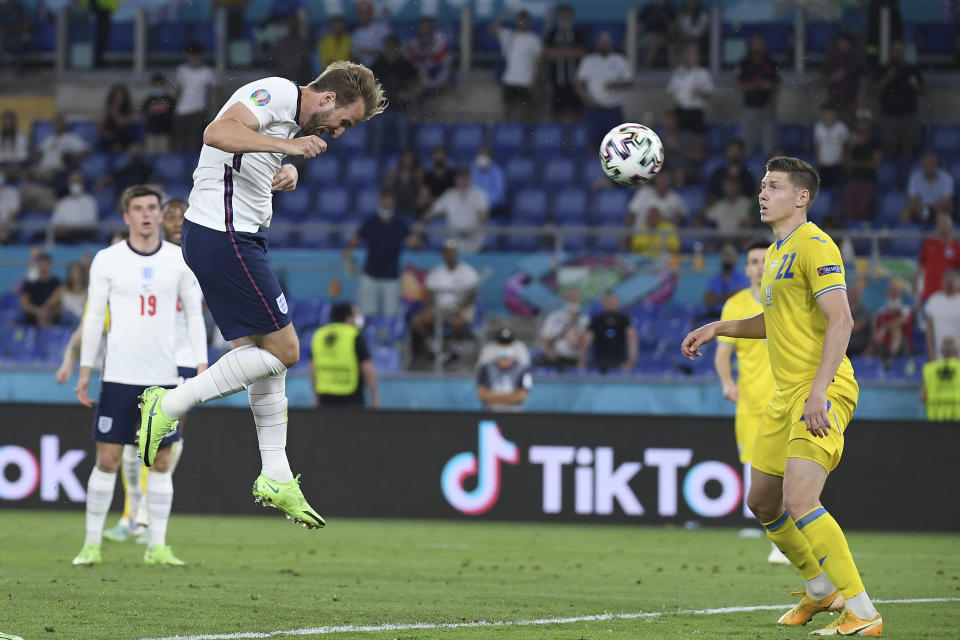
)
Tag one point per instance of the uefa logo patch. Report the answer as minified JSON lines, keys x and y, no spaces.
{"x":104,"y":424}
{"x":282,"y":303}
{"x":260,"y":97}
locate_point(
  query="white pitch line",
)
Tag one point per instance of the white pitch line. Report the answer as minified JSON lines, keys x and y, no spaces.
{"x":322,"y":631}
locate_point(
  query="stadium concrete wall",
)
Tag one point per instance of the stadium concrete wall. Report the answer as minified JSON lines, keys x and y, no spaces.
{"x":477,"y":466}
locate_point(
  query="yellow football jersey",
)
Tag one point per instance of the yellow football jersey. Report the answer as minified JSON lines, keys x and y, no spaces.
{"x":755,"y":381}
{"x":798,"y":269}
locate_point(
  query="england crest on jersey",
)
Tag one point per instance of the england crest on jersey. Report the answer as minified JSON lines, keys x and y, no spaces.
{"x":282,"y":303}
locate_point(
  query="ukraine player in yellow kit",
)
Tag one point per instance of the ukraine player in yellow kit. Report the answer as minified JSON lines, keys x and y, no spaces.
{"x":754,"y":386}
{"x":807,"y":323}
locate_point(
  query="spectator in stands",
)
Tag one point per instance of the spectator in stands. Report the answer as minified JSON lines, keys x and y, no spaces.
{"x":611,"y":337}
{"x":892,"y":325}
{"x":726,"y":282}
{"x":759,"y":82}
{"x":862,"y":320}
{"x":441,"y":176}
{"x":430,"y":53}
{"x":115,"y":127}
{"x":660,"y":196}
{"x":336,"y":44}
{"x":734,"y":211}
{"x":9,"y":205}
{"x":863,"y":157}
{"x":158,"y":115}
{"x":503,"y":383}
{"x":403,"y":85}
{"x":600,"y":78}
{"x":385,"y":235}
{"x":75,"y":215}
{"x":655,"y":235}
{"x":58,"y":152}
{"x":942,"y":314}
{"x":504,"y":340}
{"x":841,"y":72}
{"x":693,"y":26}
{"x":450,"y":288}
{"x":929,"y":190}
{"x":467,"y":209}
{"x":829,"y":139}
{"x":898,"y":85}
{"x":733,"y":168}
{"x":683,"y":152}
{"x":340,"y":363}
{"x":565,"y":46}
{"x":691,"y":86}
{"x":563,"y":333}
{"x":655,"y":28}
{"x":405,"y":182}
{"x":488,"y":176}
{"x":13,"y":143}
{"x":521,"y":49}
{"x":938,"y":255}
{"x":195,"y":82}
{"x":40,"y":297}
{"x":74,"y":296}
{"x":367,"y":40}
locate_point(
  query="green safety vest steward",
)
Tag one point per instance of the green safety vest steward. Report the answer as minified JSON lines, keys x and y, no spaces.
{"x":941,"y":379}
{"x":335,"y":364}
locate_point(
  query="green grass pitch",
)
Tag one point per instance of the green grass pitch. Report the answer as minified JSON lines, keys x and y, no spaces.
{"x":249,"y":575}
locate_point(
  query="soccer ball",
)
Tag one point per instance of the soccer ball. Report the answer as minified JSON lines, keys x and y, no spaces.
{"x":631,"y":154}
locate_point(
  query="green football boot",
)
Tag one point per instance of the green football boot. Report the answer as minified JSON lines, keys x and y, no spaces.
{"x":287,"y":497}
{"x":89,"y":555}
{"x":162,"y":554}
{"x":154,"y":425}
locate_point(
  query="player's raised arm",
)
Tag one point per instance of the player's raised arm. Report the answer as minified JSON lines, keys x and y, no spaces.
{"x":753,"y":327}
{"x":235,"y":131}
{"x":92,"y":329}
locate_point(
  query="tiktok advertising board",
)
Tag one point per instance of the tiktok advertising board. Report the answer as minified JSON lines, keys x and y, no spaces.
{"x":477,"y":466}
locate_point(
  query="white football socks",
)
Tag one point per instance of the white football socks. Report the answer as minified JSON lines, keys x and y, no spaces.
{"x":99,"y":496}
{"x":235,"y":371}
{"x":176,"y":450}
{"x":862,"y":606}
{"x":268,"y":401}
{"x":132,"y":467}
{"x":820,"y":586}
{"x":159,"y":503}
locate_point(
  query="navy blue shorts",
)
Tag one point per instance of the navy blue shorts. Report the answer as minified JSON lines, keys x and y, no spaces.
{"x":118,"y":416}
{"x":186,"y":372}
{"x":239,"y":287}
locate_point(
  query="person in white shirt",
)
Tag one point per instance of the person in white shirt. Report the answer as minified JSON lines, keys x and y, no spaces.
{"x":450,"y":288}
{"x":466,"y":208}
{"x":366,"y":41}
{"x":9,"y":206}
{"x":601,"y":77}
{"x":521,"y":49}
{"x":13,"y":143}
{"x":223,"y":244}
{"x":194,"y":80}
{"x":942,"y":311}
{"x":734,"y":211}
{"x":830,"y":137}
{"x":60,"y":150}
{"x":75,"y":215}
{"x":563,"y":333}
{"x":659,"y":196}
{"x":690,"y":85}
{"x":141,"y":281}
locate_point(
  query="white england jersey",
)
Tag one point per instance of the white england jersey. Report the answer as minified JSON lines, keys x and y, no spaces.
{"x":232,"y":191}
{"x":181,"y":337}
{"x":142,"y":291}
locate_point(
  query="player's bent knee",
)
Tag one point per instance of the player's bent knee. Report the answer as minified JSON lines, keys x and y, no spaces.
{"x":765,"y":507}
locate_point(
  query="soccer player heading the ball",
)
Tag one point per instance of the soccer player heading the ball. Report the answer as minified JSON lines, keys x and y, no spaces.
{"x":223,"y":243}
{"x":806,"y":321}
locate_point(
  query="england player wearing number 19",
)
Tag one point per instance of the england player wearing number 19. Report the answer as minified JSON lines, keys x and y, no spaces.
{"x":140,"y":280}
{"x":223,"y":243}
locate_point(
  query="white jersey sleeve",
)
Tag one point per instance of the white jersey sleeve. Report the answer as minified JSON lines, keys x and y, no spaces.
{"x":183,"y":338}
{"x":98,"y":291}
{"x":232,"y":191}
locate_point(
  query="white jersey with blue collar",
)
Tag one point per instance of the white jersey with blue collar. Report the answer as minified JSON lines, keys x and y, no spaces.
{"x":232,"y":191}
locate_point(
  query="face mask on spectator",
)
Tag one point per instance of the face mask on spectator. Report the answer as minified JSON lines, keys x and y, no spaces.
{"x":385,"y":213}
{"x":76,"y":189}
{"x":483,"y":161}
{"x":358,"y":320}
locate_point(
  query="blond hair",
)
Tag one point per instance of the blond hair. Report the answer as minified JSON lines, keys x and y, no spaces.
{"x":138,"y":191}
{"x":351,"y":81}
{"x":800,"y":173}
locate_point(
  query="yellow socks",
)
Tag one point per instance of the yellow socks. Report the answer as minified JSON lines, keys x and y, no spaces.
{"x":830,"y":549}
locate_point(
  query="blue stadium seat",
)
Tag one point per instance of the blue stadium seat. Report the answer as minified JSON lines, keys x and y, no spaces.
{"x":45,"y":36}
{"x":179,"y":190}
{"x":324,"y":169}
{"x":937,"y":39}
{"x":530,"y":206}
{"x":365,"y":202}
{"x":281,"y":239}
{"x":106,"y":202}
{"x":167,"y":37}
{"x":40,"y":130}
{"x":718,"y":133}
{"x":778,"y":35}
{"x":868,"y":368}
{"x":523,"y":243}
{"x":591,"y":170}
{"x":509,"y":139}
{"x":889,"y":175}
{"x":610,"y":206}
{"x":891,"y":204}
{"x":606,"y":243}
{"x":121,"y":37}
{"x":822,"y":206}
{"x":333,"y":203}
{"x":945,"y":140}
{"x":292,"y":206}
{"x":386,"y":359}
{"x":578,"y":138}
{"x":316,"y":240}
{"x":794,"y":138}
{"x":86,"y":129}
{"x":311,"y":313}
{"x":570,"y":206}
{"x":559,"y":171}
{"x":521,"y":171}
{"x":466,"y":138}
{"x":430,"y":135}
{"x":95,"y":165}
{"x":547,"y":139}
{"x":757,"y":165}
{"x":819,"y":35}
{"x":351,"y":143}
{"x":905,"y":246}
{"x":694,"y":198}
{"x":576,"y":243}
{"x":171,"y":167}
{"x":711,"y":164}
{"x":361,"y":171}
